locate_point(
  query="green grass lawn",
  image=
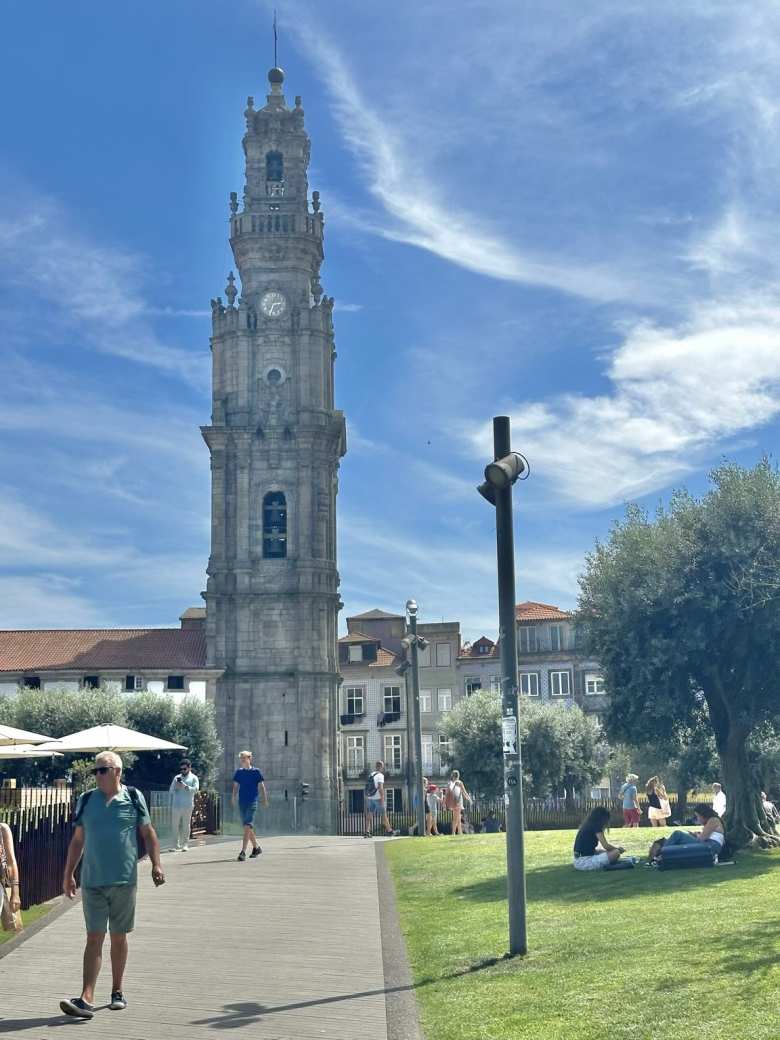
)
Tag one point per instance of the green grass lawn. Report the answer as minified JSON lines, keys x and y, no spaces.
{"x":636,"y":954}
{"x":28,"y":916}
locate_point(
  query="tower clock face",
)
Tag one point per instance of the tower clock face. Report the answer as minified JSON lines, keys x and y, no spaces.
{"x":273,"y":304}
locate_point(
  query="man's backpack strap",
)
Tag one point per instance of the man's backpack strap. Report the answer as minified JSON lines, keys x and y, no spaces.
{"x":80,"y":811}
{"x":133,"y":792}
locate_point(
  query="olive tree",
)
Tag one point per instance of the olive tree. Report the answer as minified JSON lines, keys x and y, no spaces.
{"x":682,"y":611}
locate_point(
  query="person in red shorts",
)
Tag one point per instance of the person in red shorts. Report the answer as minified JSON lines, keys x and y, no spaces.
{"x":630,"y":797}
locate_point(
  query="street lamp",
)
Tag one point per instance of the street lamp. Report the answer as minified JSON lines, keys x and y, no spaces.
{"x":412,"y":643}
{"x":500,"y":475}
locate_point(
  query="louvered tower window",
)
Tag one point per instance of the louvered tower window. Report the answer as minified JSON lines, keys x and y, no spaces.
{"x":274,"y":526}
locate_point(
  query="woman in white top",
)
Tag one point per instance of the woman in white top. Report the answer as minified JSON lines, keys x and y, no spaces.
{"x":711,"y":833}
{"x":456,"y":793}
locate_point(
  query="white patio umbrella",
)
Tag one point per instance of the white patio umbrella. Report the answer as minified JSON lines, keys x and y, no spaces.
{"x":11,"y":735}
{"x":110,"y":738}
{"x":26,"y":751}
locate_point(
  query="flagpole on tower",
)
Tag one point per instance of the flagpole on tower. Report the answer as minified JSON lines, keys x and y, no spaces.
{"x":276,"y":40}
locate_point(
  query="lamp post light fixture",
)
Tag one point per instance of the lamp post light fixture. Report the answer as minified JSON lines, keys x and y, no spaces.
{"x":412,"y":643}
{"x":507,"y":467}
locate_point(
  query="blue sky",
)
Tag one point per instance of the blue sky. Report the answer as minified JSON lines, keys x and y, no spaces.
{"x":564,"y":212}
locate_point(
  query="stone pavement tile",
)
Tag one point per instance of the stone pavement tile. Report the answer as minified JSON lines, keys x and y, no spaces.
{"x":285,"y":946}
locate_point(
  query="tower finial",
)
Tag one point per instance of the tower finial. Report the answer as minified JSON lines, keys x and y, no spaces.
{"x":276,"y":75}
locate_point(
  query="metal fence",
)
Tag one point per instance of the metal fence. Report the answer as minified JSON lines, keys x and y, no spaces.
{"x":539,"y":815}
{"x":41,"y":823}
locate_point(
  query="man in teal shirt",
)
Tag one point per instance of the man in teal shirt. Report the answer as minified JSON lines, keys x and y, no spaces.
{"x":107,"y":821}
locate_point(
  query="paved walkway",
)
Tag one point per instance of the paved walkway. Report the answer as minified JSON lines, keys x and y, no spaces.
{"x":287,"y":946}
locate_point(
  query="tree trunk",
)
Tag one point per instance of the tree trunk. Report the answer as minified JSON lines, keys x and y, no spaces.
{"x":682,"y":801}
{"x":746,"y":822}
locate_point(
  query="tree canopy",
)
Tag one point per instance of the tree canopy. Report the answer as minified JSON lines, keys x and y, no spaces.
{"x":59,"y":712}
{"x":561,"y":747}
{"x":682,"y":612}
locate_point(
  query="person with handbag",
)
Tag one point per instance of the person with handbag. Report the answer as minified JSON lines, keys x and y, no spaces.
{"x":659,"y":809}
{"x":10,"y":902}
{"x":454,"y":797}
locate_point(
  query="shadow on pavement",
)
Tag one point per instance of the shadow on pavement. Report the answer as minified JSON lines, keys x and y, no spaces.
{"x":239,"y":1015}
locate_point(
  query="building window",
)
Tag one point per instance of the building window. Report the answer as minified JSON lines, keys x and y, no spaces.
{"x":274,"y":526}
{"x":394,"y":799}
{"x":444,"y":751}
{"x":355,"y":653}
{"x":560,"y":684}
{"x":528,"y":639}
{"x":392,"y":699}
{"x":443,"y":655}
{"x":556,"y":637}
{"x":355,"y":803}
{"x":32,"y":682}
{"x":445,"y":700}
{"x":424,"y":657}
{"x":529,"y":684}
{"x":274,"y":166}
{"x":594,"y":684}
{"x":495,"y":684}
{"x":175,"y":682}
{"x":91,"y":682}
{"x":472,"y":685}
{"x":484,"y":648}
{"x":393,"y":760}
{"x":356,"y":755}
{"x":425,"y":701}
{"x":134,"y":682}
{"x":427,"y":753}
{"x":355,"y":700}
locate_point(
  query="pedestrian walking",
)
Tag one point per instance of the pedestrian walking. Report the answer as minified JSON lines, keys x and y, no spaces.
{"x":107,"y":823}
{"x":184,"y":786}
{"x":719,"y":800}
{"x":248,"y":783}
{"x":630,"y":796}
{"x":375,"y":802}
{"x":658,"y":809}
{"x":432,"y":802}
{"x":453,"y":800}
{"x":10,"y":901}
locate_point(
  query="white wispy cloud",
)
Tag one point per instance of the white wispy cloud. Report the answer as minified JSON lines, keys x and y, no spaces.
{"x":399,"y":180}
{"x":676,"y":394}
{"x":91,"y":290}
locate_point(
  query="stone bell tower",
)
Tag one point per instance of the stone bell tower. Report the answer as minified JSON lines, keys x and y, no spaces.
{"x":275,"y":441}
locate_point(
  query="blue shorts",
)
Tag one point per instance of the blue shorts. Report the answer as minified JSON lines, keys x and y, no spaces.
{"x":247,"y":813}
{"x":375,"y":805}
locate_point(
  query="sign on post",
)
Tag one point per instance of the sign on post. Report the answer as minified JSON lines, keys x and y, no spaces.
{"x":509,"y":734}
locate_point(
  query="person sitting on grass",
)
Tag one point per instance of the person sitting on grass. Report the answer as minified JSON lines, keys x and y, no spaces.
{"x":589,"y":837}
{"x":711,"y":834}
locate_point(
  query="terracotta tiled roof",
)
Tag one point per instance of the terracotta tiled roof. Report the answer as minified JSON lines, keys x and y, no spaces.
{"x":358,"y":637}
{"x":102,"y":648}
{"x":530,"y":611}
{"x":384,"y":658}
{"x":475,"y":649}
{"x":373,"y":615}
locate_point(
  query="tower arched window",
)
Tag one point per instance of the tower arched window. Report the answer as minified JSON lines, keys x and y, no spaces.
{"x":274,"y":166}
{"x":274,"y":526}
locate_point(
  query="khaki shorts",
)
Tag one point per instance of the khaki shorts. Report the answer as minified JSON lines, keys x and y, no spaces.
{"x":109,"y":909}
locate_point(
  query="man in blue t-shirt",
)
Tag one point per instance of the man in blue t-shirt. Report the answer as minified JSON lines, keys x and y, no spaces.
{"x":107,"y":821}
{"x":247,"y":784}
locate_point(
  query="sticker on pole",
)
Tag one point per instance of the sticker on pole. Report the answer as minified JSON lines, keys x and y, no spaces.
{"x":509,"y":734}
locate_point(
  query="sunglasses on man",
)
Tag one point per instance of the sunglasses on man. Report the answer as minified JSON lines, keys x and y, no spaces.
{"x":102,"y":770}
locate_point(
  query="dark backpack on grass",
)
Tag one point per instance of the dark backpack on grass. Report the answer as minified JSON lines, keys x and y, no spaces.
{"x":134,"y":798}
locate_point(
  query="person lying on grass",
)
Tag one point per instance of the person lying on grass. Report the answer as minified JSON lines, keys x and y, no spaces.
{"x":711,"y":834}
{"x":589,"y":837}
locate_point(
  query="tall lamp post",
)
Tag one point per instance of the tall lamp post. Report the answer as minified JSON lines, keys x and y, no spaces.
{"x":412,"y":643}
{"x":500,"y":475}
